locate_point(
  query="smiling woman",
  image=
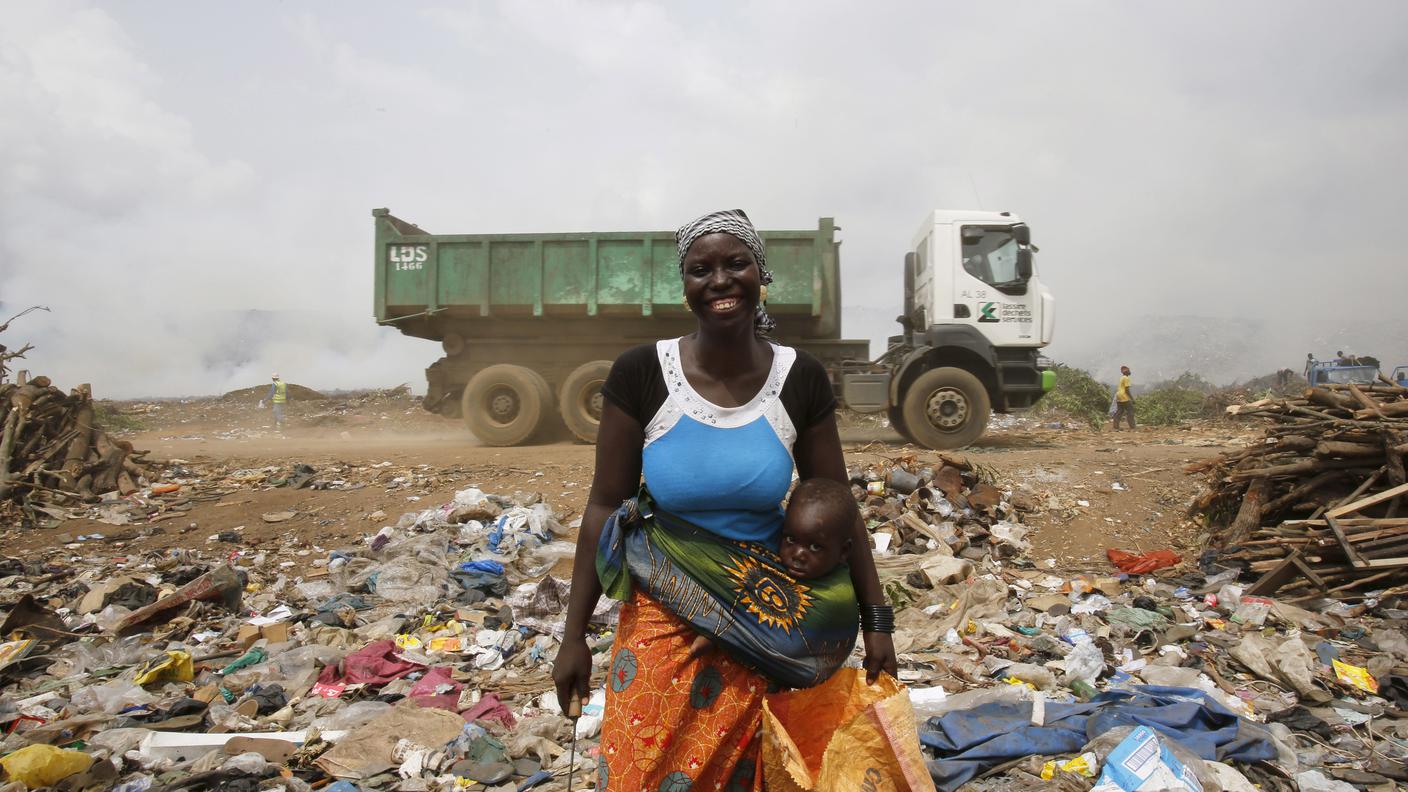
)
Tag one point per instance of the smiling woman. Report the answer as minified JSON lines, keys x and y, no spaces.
{"x":714,"y":425}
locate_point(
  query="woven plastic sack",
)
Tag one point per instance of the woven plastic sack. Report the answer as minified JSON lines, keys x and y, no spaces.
{"x":843,"y":734}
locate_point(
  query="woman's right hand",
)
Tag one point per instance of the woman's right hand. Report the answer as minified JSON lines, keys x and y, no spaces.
{"x":572,"y":673}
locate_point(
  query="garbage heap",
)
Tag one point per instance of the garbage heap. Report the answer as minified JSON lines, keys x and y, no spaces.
{"x":1153,"y":673}
{"x":418,"y":660}
{"x":1311,"y":509}
{"x":50,"y":450}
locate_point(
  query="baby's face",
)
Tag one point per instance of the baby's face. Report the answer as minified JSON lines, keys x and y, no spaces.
{"x":810,"y":547}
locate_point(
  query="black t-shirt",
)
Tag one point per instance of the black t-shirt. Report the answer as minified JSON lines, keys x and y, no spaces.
{"x":637,"y":386}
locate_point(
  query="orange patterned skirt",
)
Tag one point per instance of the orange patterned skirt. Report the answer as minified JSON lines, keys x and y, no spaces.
{"x":672,"y":724}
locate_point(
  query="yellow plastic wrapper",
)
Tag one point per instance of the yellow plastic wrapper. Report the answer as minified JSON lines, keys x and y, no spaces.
{"x":448,"y":644}
{"x":1083,"y":765}
{"x":43,"y":765}
{"x":1355,"y":676}
{"x":174,"y":666}
{"x":843,"y":734}
{"x":408,"y":641}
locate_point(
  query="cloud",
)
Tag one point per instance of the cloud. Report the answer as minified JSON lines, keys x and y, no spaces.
{"x":1176,"y":167}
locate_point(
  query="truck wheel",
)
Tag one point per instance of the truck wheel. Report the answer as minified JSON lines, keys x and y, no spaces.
{"x":946,"y":408}
{"x":504,"y":405}
{"x":896,"y":415}
{"x":581,"y":401}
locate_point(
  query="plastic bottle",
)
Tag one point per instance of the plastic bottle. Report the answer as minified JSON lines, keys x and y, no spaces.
{"x":1083,"y":690}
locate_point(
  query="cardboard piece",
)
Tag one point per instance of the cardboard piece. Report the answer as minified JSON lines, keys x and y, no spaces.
{"x":1142,"y":763}
{"x":366,"y":751}
{"x":271,"y":633}
{"x":274,"y":750}
{"x":92,"y":602}
{"x":184,"y":746}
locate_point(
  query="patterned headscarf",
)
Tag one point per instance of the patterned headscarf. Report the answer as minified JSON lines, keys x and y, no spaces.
{"x":734,"y":223}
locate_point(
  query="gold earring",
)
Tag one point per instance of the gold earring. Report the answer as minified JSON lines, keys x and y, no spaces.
{"x":763,"y":293}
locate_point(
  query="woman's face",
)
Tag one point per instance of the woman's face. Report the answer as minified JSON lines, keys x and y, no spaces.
{"x":721,"y":279}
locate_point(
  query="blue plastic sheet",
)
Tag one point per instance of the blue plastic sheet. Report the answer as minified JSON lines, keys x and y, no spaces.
{"x":487,"y":565}
{"x":971,"y":741}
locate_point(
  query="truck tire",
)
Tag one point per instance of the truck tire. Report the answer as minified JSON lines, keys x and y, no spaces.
{"x":946,"y":408}
{"x":580,"y":403}
{"x":896,"y":416}
{"x":504,"y":405}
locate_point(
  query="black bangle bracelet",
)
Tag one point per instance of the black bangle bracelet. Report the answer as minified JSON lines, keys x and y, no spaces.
{"x":877,"y":618}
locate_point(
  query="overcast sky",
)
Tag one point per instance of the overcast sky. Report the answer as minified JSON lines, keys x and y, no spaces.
{"x":165,"y":167}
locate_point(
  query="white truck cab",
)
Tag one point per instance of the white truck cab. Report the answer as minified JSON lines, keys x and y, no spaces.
{"x":990,"y":289}
{"x":975,"y":314}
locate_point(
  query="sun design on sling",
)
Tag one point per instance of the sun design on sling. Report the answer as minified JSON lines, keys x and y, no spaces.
{"x":775,"y":599}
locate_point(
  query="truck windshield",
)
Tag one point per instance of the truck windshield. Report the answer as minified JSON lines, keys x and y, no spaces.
{"x":991,"y":257}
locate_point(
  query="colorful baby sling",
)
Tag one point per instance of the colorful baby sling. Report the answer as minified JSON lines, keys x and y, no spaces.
{"x":738,"y":594}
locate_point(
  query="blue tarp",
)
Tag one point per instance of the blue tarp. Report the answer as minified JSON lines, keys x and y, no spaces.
{"x":971,"y":741}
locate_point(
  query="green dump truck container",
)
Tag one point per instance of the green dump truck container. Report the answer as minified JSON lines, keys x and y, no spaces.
{"x":529,"y":323}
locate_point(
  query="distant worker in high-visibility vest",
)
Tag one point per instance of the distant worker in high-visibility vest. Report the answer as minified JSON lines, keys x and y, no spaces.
{"x":278,"y":397}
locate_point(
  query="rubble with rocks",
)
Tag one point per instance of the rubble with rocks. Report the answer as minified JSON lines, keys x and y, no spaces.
{"x":419,"y":658}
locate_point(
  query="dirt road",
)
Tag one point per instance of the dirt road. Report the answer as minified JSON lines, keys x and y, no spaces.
{"x":1092,"y":490}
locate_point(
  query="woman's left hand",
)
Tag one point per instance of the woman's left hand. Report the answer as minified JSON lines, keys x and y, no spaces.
{"x":879,"y":656}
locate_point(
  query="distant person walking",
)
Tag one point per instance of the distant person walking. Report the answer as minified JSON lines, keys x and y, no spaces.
{"x":277,"y":398}
{"x":1124,"y":402}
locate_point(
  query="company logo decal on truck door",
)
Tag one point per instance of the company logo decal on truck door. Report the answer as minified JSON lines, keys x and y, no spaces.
{"x":1004,"y":312}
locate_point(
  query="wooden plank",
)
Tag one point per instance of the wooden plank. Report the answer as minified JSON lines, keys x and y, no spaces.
{"x":1350,"y":553}
{"x":1307,"y":571}
{"x":1386,"y":563}
{"x":1277,"y":576}
{"x":1364,"y":503}
{"x":1351,"y":522}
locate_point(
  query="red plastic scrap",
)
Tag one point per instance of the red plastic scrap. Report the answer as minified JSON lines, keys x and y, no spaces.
{"x":1132,"y":564}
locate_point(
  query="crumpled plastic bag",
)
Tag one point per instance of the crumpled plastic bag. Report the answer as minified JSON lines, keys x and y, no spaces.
{"x":1137,"y":617}
{"x":173,"y":666}
{"x":110,"y":697}
{"x":42,"y":765}
{"x":843,"y":734}
{"x":1290,"y":663}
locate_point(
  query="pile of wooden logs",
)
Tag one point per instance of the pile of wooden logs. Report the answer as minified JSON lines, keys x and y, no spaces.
{"x":51,"y":450}
{"x":1313,"y":508}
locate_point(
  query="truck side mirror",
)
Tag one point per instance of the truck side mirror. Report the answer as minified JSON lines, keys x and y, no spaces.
{"x":1024,"y":263}
{"x":1023,"y":234}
